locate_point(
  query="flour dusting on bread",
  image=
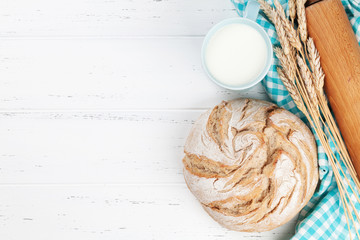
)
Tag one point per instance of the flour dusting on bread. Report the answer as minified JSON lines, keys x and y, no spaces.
{"x":251,"y":164}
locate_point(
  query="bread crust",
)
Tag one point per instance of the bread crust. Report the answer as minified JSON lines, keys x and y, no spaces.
{"x":252,"y":165}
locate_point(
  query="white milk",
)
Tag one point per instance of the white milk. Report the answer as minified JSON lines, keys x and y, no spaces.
{"x":236,"y":54}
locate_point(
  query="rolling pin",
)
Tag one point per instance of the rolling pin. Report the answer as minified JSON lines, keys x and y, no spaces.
{"x":339,"y":51}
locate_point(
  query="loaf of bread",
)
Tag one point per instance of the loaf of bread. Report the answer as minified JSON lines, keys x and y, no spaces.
{"x":251,"y":164}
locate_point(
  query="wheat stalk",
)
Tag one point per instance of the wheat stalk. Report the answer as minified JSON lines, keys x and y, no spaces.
{"x":305,"y":86}
{"x":319,"y":78}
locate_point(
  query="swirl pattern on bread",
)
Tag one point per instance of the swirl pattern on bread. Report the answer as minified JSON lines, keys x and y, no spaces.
{"x":251,"y":164}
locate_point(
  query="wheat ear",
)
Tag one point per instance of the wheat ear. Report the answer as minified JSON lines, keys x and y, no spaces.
{"x":284,"y":41}
{"x":301,"y":17}
{"x":314,"y":59}
{"x":289,"y":29}
{"x":287,"y":67}
{"x":292,"y":10}
{"x":294,"y":93}
{"x":307,"y":78}
{"x":305,"y":86}
{"x":268,"y":10}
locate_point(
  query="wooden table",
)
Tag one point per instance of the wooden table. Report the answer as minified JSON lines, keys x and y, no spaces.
{"x":96,"y":99}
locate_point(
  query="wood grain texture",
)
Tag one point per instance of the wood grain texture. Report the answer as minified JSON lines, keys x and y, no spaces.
{"x":340,"y":58}
{"x":94,"y":147}
{"x":135,"y":73}
{"x":96,"y":100}
{"x":84,"y":18}
{"x":81,"y":175}
{"x":110,"y":212}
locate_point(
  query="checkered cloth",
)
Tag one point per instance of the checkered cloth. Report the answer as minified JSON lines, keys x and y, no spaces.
{"x":323,"y":217}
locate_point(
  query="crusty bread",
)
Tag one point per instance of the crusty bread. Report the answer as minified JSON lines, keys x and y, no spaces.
{"x":251,"y":164}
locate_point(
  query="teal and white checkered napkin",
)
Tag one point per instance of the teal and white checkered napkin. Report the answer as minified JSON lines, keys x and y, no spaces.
{"x":323,"y":217}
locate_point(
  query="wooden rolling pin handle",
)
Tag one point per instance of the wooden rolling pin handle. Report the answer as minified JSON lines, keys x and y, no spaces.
{"x":339,"y":50}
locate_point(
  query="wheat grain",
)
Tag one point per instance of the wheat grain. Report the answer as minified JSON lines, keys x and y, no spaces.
{"x":284,"y":61}
{"x":301,"y":17}
{"x":305,"y":86}
{"x":284,"y":41}
{"x":292,"y":10}
{"x":279,"y":9}
{"x":314,"y":59}
{"x":288,"y":27}
{"x":268,"y":10}
{"x":294,"y":93}
{"x":307,"y":78}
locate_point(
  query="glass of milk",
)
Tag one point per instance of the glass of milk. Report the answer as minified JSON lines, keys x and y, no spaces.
{"x":237,"y":52}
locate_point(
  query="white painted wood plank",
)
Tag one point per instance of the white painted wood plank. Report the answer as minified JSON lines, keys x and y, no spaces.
{"x":112,"y":212}
{"x":93,"y":147}
{"x":100,"y":173}
{"x":108,"y":74}
{"x":23,"y":18}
